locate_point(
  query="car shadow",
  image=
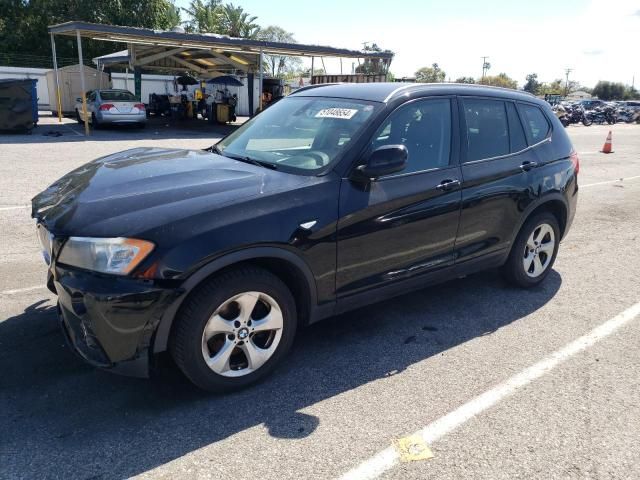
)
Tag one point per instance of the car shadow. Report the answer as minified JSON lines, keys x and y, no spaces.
{"x":157,"y":128}
{"x":54,"y":410}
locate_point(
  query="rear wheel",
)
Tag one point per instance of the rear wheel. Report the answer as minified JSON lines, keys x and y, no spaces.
{"x":534,"y":251}
{"x":78,"y":119}
{"x":234,"y":329}
{"x":94,"y":121}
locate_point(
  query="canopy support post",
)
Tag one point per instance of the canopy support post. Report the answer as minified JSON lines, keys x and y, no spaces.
{"x":261,"y":78}
{"x":82,"y":83}
{"x":55,"y":69}
{"x":311,"y":76}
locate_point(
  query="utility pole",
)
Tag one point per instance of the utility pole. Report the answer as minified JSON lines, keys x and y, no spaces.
{"x":485,"y":66}
{"x":566,"y":85}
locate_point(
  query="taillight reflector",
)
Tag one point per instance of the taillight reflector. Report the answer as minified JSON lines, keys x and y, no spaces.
{"x":575,"y":160}
{"x":106,"y":106}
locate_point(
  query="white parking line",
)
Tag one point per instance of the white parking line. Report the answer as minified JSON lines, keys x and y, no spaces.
{"x":14,"y":207}
{"x":606,"y":182}
{"x":389,"y":457}
{"x":73,"y":130}
{"x":22,"y":290}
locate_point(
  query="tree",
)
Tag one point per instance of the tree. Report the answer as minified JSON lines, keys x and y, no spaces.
{"x":203,"y":16}
{"x":25,"y":32}
{"x":465,"y":80}
{"x":238,"y":23}
{"x":554,"y":88}
{"x":501,"y":80}
{"x":609,"y":90}
{"x":372,"y":65}
{"x":631,"y":94}
{"x":280,"y":65}
{"x":211,"y":16}
{"x":532,"y":85}
{"x":432,"y":74}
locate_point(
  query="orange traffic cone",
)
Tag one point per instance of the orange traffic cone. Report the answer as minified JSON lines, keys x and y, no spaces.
{"x":607,"y":144}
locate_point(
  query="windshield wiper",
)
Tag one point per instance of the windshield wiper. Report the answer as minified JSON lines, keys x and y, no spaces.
{"x":252,"y":161}
{"x":214,"y":149}
{"x":242,"y":158}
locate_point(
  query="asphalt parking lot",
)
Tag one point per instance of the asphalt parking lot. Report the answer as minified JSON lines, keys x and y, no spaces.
{"x":353,"y":384}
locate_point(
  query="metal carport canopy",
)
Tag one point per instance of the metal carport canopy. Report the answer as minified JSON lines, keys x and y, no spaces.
{"x":207,"y":54}
{"x":144,"y":36}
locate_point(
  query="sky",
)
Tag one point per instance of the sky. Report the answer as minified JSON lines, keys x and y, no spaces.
{"x":596,"y":39}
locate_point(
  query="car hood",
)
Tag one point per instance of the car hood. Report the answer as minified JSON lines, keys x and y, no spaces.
{"x":133,"y":191}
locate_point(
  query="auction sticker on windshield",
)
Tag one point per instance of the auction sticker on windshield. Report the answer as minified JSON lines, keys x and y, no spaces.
{"x":344,"y":113}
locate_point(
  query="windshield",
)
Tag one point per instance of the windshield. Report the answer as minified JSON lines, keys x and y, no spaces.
{"x":117,"y":95}
{"x":299,"y":134}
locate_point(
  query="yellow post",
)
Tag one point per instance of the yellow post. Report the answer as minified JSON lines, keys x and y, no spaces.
{"x":55,"y":69}
{"x":84,"y":89}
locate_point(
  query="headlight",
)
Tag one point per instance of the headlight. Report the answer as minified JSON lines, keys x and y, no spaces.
{"x":117,"y":256}
{"x":45,"y":243}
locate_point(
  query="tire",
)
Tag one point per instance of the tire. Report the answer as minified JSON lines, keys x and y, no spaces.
{"x":212,"y":322}
{"x":586,"y":122}
{"x":78,"y":119}
{"x":94,"y":122}
{"x":514,"y":269}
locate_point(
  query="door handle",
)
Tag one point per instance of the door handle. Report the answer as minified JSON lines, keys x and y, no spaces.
{"x":448,"y":184}
{"x":526,"y":166}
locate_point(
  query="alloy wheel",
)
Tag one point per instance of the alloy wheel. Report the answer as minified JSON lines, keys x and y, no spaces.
{"x":539,"y":250}
{"x":242,"y":334}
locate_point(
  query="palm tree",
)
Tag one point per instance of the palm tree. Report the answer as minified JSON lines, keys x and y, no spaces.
{"x":236,"y":22}
{"x":205,"y":16}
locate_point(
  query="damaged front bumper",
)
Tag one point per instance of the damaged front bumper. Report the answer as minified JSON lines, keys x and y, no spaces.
{"x":110,"y":321}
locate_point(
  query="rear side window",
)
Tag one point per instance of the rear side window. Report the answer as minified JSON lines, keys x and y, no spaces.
{"x":487,"y":128}
{"x":535,"y":123}
{"x":516,"y":133}
{"x":424,"y":127}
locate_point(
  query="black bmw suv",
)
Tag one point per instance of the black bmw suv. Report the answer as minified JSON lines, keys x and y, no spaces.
{"x":335,"y":197}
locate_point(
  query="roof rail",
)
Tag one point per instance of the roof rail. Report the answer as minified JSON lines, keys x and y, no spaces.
{"x":309,"y":87}
{"x":454,"y":84}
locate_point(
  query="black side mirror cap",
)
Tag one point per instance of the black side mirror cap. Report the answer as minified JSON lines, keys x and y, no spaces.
{"x":382,"y":161}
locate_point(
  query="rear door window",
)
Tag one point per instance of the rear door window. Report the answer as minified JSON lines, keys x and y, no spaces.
{"x":536,"y":125}
{"x":486,"y":127}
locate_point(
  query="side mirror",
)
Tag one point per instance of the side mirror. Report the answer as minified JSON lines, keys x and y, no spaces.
{"x":382,"y":161}
{"x":79,"y":99}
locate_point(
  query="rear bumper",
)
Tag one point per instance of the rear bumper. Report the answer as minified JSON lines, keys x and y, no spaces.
{"x":109,"y":321}
{"x":108,"y":117}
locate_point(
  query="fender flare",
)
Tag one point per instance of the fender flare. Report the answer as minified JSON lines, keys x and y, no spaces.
{"x":161,"y":339}
{"x":546,"y":198}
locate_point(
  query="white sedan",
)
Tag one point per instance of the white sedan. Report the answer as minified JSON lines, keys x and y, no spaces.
{"x":112,"y":107}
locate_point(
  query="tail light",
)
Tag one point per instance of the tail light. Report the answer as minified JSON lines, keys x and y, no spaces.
{"x":139,"y":106}
{"x":106,"y":106}
{"x":575,"y":160}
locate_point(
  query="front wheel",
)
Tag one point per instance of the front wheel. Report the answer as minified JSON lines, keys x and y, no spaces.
{"x":234,"y":329}
{"x":586,"y":121}
{"x":534,"y":251}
